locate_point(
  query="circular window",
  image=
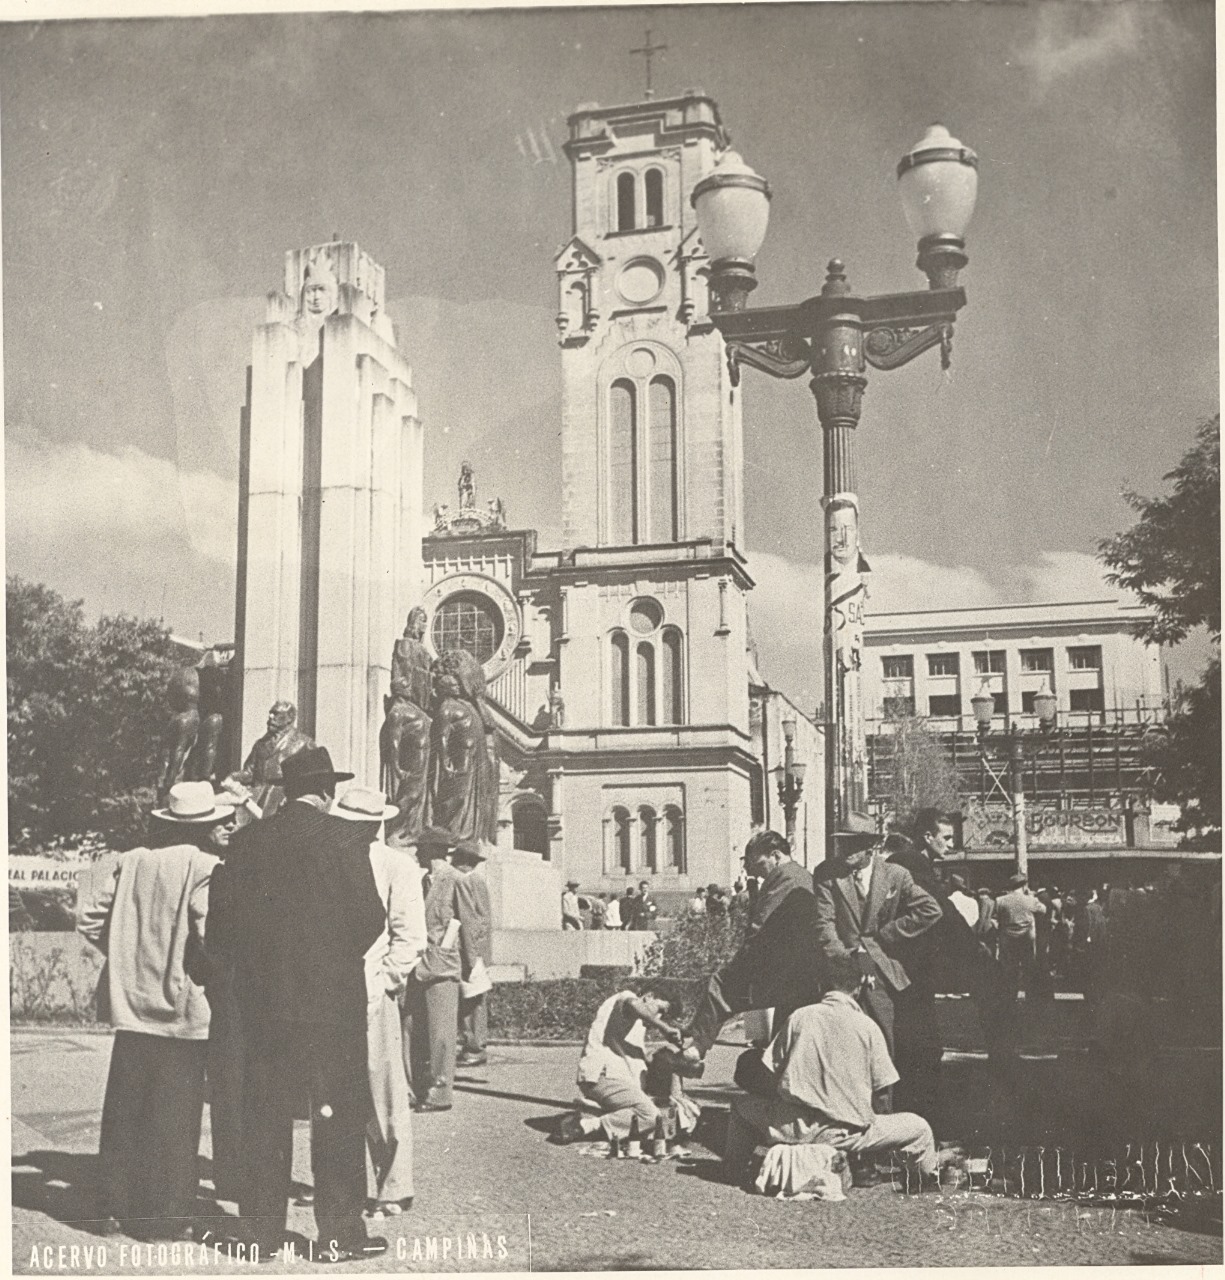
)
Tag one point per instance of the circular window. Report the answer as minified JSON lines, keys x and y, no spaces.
{"x":468,"y":620}
{"x":645,"y":616}
{"x":640,"y":281}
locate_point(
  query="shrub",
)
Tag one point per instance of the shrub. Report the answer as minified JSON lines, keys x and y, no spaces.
{"x":563,"y":1008}
{"x":693,"y":947}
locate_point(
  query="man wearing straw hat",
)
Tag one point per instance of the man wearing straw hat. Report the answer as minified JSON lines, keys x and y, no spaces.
{"x":147,"y":914}
{"x":301,"y":913}
{"x":389,"y":966}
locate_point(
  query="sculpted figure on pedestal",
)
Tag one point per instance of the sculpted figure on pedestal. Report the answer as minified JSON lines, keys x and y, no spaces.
{"x":463,"y":791}
{"x":404,"y":743}
{"x":262,"y":770}
{"x":181,"y":731}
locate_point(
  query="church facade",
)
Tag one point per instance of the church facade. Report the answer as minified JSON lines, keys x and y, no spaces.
{"x":637,"y":739}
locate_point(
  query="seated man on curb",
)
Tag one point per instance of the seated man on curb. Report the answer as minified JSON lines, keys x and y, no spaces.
{"x":614,"y":1062}
{"x":827,"y":1063}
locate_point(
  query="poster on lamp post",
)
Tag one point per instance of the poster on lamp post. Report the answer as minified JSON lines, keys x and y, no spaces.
{"x":547,"y":548}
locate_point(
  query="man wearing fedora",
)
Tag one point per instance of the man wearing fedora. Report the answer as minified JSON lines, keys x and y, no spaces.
{"x":147,"y":913}
{"x":302,"y":912}
{"x":571,"y":913}
{"x":870,"y":909}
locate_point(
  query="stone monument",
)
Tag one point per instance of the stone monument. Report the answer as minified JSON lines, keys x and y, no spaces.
{"x":330,"y":521}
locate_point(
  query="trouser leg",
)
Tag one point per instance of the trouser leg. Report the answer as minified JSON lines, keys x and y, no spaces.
{"x":171,"y":1138}
{"x":901,"y":1131}
{"x":622,"y":1105}
{"x":474,"y":1024}
{"x":120,"y":1135}
{"x":441,"y":1018}
{"x":918,"y":1052}
{"x":225,"y":1056}
{"x":340,"y":1086}
{"x":742,"y":1140}
{"x":271,"y":1083}
{"x":716,"y":1006}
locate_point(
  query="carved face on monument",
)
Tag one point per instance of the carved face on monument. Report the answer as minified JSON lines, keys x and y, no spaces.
{"x":281,"y":716}
{"x":319,"y":292}
{"x":842,"y":530}
{"x":414,"y":628}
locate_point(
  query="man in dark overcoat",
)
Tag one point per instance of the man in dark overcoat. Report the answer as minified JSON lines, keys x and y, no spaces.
{"x":300,"y":912}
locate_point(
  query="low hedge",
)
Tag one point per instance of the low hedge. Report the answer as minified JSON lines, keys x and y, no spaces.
{"x":564,"y":1008}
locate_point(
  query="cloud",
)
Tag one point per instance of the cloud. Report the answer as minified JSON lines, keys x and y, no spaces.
{"x":1071,"y":37}
{"x":1062,"y":575}
{"x":126,"y":531}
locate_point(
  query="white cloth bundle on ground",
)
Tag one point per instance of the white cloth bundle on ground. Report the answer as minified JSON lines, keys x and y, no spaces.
{"x":811,"y":1170}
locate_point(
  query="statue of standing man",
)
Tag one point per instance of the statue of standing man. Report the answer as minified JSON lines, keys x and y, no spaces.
{"x":404,"y":742}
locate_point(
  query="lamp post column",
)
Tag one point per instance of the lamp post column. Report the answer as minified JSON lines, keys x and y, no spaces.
{"x":1016,"y":762}
{"x":838,"y":385}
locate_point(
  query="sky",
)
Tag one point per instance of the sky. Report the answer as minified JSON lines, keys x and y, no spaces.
{"x":153,"y":173}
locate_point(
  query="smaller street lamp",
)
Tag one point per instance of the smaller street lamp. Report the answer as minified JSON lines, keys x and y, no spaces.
{"x":790,"y":778}
{"x":1046,"y":707}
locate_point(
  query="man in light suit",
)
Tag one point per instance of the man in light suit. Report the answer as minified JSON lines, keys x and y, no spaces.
{"x":870,"y":909}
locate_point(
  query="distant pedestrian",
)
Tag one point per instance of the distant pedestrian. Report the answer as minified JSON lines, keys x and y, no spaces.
{"x":716,"y":903}
{"x":648,"y":908}
{"x":571,"y":913}
{"x":148,"y":916}
{"x":629,"y":908}
{"x":697,"y":904}
{"x":612,"y":913}
{"x":1016,"y":913}
{"x":474,"y":910}
{"x":598,"y":911}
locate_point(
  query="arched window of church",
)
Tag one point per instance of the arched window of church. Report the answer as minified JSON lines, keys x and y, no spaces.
{"x":620,"y":677}
{"x":646,"y":838}
{"x":622,"y":463}
{"x":646,"y":683}
{"x":625,"y":202}
{"x":671,"y":687}
{"x":531,"y":827}
{"x":621,"y":839}
{"x":662,"y":394}
{"x":655,"y":198}
{"x":674,"y":838}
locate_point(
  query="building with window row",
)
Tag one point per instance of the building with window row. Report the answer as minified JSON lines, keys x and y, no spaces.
{"x":931,"y":663}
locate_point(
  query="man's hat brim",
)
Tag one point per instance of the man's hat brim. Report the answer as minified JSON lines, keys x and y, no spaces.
{"x":219,"y":813}
{"x":853,"y":841}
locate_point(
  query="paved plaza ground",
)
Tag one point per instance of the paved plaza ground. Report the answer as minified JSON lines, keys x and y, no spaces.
{"x":487,"y":1170}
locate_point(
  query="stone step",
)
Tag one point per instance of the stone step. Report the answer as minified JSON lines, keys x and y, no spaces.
{"x":507,"y":973}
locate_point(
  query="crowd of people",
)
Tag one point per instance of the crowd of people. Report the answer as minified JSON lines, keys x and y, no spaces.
{"x":308,"y":970}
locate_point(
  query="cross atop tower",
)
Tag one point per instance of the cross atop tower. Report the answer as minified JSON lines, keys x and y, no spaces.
{"x":648,"y":51}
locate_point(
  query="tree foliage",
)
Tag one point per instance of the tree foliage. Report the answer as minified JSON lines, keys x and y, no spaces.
{"x":85,"y":716}
{"x":1187,"y":754}
{"x":921,"y":774}
{"x":1171,"y":557}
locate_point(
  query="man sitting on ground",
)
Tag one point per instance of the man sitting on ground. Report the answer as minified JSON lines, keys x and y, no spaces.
{"x":614,"y":1061}
{"x":827,"y":1063}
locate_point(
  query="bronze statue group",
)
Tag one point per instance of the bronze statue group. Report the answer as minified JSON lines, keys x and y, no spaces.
{"x":313,"y":949}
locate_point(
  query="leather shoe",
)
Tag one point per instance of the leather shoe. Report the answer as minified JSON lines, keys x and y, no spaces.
{"x":432,"y":1106}
{"x":472,"y":1060}
{"x":371,"y":1247}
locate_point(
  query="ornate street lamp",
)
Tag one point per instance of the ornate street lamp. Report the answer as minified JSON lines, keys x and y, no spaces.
{"x":790,"y":779}
{"x":834,"y":336}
